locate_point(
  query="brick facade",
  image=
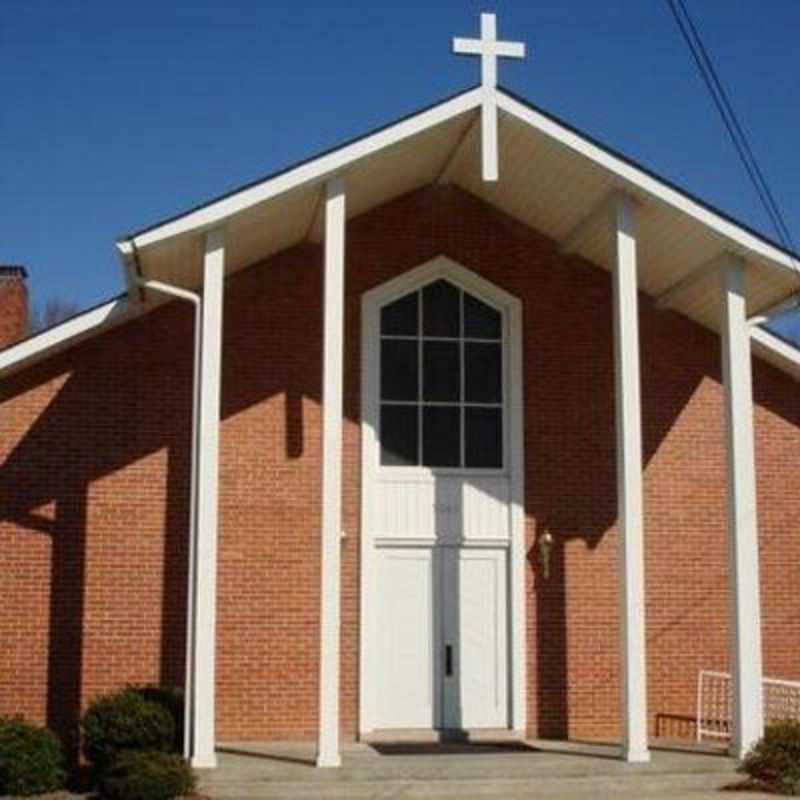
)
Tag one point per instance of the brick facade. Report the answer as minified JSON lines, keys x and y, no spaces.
{"x":94,"y":490}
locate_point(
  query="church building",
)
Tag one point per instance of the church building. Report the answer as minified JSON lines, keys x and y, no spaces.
{"x":468,"y":426}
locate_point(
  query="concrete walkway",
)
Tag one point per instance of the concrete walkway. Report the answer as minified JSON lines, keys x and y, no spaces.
{"x":468,"y":772}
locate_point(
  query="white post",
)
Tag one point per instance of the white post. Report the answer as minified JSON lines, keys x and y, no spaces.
{"x":333,"y":354}
{"x":743,"y":567}
{"x":205,"y":605}
{"x":629,"y":485}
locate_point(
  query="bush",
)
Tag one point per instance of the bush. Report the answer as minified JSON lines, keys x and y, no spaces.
{"x":125,"y":721}
{"x":171,"y":699}
{"x":146,"y":776}
{"x":31,"y":759}
{"x":775,"y":760}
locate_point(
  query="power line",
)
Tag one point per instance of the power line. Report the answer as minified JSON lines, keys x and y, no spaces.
{"x":705,"y":66}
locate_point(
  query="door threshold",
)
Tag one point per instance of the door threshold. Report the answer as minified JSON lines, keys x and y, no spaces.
{"x":442,"y":735}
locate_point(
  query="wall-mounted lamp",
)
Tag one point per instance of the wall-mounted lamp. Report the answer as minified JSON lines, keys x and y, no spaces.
{"x":545,"y":549}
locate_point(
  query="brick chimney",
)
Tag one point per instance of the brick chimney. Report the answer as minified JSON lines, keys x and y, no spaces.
{"x":13,"y":304}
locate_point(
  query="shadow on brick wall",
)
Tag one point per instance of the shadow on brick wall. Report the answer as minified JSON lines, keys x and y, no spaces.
{"x":123,"y":398}
{"x":102,"y":412}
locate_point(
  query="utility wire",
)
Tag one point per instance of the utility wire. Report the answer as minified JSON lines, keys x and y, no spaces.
{"x":737,"y":132}
{"x":705,"y":65}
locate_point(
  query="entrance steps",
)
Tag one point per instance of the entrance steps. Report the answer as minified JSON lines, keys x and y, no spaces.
{"x":509,"y":770}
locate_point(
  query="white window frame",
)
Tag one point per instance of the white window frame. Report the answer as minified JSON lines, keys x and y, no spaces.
{"x":462,"y":404}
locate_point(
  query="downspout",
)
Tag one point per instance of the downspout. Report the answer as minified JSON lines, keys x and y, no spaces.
{"x":196,"y":300}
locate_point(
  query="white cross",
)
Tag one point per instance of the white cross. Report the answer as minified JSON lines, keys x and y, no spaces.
{"x":489,"y":49}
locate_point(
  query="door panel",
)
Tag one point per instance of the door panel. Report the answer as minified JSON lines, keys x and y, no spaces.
{"x":406,"y":613}
{"x":445,"y":509}
{"x":475,"y":627}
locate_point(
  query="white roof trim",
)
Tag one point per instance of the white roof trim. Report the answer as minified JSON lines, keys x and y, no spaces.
{"x":638,"y":178}
{"x":218,"y":212}
{"x":787,"y":353}
{"x":317,"y":169}
{"x":46,"y":341}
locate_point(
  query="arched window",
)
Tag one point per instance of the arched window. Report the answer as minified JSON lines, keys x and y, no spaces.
{"x":441,"y":380}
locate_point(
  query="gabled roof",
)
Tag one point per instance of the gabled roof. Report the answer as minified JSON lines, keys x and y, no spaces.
{"x":553,"y":178}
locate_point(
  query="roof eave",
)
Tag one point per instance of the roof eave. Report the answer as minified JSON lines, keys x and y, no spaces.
{"x":634,"y":177}
{"x":217,"y":211}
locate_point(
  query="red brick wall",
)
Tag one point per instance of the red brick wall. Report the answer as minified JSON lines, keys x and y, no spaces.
{"x":13,"y":305}
{"x":94,"y":486}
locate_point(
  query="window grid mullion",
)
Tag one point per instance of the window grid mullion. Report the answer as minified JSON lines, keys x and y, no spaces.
{"x":461,"y":403}
{"x":441,"y":403}
{"x":462,"y":456}
{"x":420,"y":374}
{"x":428,"y":338}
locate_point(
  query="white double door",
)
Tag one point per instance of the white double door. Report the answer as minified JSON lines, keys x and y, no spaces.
{"x":442,"y":637}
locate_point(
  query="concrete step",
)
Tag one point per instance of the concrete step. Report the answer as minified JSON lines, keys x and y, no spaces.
{"x":473,"y":771}
{"x":692,"y":786}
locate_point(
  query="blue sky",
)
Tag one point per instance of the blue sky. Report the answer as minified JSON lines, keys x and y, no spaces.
{"x":116,"y":114}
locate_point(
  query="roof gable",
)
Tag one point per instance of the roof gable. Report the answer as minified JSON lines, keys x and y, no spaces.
{"x":553,"y":178}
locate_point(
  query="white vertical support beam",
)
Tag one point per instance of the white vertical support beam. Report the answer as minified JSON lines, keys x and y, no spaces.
{"x":332,"y":370}
{"x":489,"y":150}
{"x":743,"y":566}
{"x":629,"y":484}
{"x":205,"y":605}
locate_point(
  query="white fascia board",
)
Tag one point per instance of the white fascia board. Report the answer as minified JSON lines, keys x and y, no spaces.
{"x":42,"y":343}
{"x":127,"y":260}
{"x":640,"y":179}
{"x":316,"y":170}
{"x":783,"y":350}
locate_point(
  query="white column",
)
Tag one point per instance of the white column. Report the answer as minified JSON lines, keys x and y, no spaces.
{"x":333,"y":353}
{"x":629,"y":485}
{"x":743,"y":567}
{"x":205,"y":605}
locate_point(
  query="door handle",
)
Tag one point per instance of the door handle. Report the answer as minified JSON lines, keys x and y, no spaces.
{"x":448,"y":660}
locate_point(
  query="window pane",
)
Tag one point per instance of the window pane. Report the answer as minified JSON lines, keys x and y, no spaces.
{"x":483,"y":437}
{"x":399,"y":369}
{"x":401,"y":318}
{"x":480,"y":321}
{"x":483,"y":372}
{"x":441,"y":372}
{"x":441,"y":309}
{"x":399,"y":426}
{"x":441,"y":436}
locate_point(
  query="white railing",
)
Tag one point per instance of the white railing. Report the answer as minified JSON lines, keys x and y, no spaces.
{"x":715,"y":701}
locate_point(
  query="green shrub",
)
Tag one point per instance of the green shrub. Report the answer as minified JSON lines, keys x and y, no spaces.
{"x":125,"y":721}
{"x":146,"y":776}
{"x":775,"y":760}
{"x":170,"y":698}
{"x":31,"y":759}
